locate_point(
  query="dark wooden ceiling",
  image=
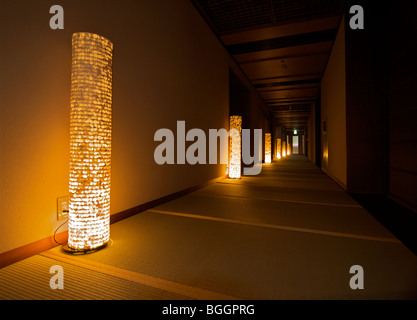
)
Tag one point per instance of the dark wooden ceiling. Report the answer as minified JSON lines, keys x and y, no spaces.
{"x":281,"y":45}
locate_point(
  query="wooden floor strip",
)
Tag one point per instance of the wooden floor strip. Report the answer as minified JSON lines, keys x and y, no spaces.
{"x":293,"y":201}
{"x":280,"y":227}
{"x":166,"y":285}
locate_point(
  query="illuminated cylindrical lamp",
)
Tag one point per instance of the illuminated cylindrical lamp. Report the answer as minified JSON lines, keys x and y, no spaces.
{"x":284,"y":149}
{"x":267,"y":148}
{"x":279,"y":148}
{"x":288,"y":149}
{"x":90,"y":142}
{"x":235,"y":147}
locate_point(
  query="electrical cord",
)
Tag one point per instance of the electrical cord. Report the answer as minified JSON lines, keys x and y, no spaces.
{"x":57,"y":230}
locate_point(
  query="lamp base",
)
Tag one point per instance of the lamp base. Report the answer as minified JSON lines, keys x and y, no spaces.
{"x":67,"y":249}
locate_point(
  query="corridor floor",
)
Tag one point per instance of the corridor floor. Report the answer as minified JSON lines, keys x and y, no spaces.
{"x":289,"y":233}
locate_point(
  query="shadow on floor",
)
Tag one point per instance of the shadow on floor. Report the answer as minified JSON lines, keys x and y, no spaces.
{"x":399,"y":220}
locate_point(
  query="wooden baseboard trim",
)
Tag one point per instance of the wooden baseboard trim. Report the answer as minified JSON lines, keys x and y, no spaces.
{"x":403,"y":202}
{"x":340,"y":183}
{"x":28,"y":250}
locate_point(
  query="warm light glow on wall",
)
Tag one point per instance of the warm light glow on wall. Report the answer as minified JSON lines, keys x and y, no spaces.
{"x":279,"y":148}
{"x":90,"y":142}
{"x":267,"y":148}
{"x":288,"y":149}
{"x":235,"y":147}
{"x":284,"y":148}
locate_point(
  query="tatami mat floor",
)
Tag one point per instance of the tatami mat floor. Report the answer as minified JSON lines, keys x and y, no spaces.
{"x":289,"y":233}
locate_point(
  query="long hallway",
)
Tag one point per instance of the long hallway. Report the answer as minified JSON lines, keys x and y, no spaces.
{"x":289,"y":233}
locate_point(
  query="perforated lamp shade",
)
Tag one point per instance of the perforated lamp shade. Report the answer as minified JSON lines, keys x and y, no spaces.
{"x":279,"y":148}
{"x":90,"y":141}
{"x":267,"y":148}
{"x":235,"y":147}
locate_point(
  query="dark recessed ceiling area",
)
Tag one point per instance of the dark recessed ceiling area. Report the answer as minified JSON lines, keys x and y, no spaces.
{"x":281,"y":45}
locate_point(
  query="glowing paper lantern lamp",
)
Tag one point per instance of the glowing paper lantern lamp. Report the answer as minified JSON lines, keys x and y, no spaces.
{"x":90,"y":142}
{"x":288,"y":149}
{"x":235,"y":147}
{"x":284,"y":152}
{"x":267,"y":148}
{"x":279,"y":148}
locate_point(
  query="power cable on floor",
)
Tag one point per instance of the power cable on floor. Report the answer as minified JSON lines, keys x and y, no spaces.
{"x":57,"y":230}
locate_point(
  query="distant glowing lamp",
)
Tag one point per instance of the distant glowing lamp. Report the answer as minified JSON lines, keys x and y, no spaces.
{"x":235,"y":147}
{"x":279,"y":148}
{"x":295,"y":131}
{"x":288,"y":149}
{"x":90,"y":142}
{"x":284,"y":152}
{"x":267,"y":148}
